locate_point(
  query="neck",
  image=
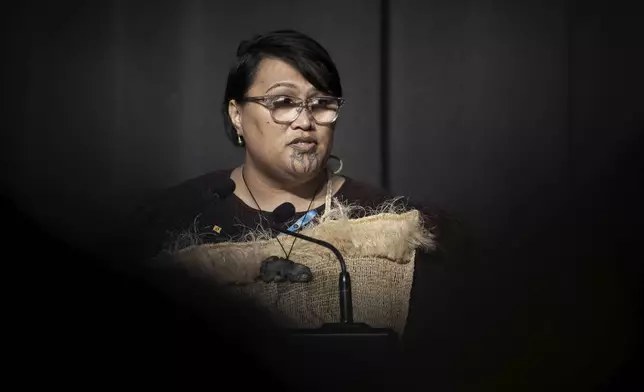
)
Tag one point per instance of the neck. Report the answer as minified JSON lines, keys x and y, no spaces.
{"x":270,"y":192}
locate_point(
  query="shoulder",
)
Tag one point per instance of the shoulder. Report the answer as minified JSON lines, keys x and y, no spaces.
{"x":369,"y":195}
{"x":188,"y":193}
{"x":174,"y":206}
{"x":363,"y":193}
{"x":196,"y":188}
{"x":450,"y":234}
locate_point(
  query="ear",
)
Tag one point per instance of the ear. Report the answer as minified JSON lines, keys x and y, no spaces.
{"x":234,"y":112}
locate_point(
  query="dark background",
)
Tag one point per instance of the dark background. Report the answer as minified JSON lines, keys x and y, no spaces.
{"x":522,"y":118}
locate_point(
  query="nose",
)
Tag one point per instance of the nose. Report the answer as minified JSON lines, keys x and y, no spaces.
{"x":304,"y":119}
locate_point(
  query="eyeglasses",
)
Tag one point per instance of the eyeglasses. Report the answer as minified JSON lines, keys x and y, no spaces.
{"x":285,"y":109}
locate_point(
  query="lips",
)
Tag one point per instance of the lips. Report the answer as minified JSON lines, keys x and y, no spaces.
{"x":303,"y":144}
{"x":303,"y":140}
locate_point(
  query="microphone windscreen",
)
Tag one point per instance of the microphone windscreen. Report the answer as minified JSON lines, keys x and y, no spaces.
{"x":283,"y":212}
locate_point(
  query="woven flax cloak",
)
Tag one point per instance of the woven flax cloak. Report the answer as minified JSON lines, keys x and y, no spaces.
{"x":379,"y":248}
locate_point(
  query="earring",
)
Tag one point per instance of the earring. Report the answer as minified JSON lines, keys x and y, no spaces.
{"x":338,"y":170}
{"x":240,"y":140}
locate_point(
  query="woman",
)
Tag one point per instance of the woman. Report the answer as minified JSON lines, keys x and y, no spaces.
{"x":282,"y":102}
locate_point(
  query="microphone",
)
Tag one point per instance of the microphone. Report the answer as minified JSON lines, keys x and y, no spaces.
{"x":285,"y":211}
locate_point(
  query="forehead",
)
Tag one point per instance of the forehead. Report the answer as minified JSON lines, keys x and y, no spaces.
{"x":274,"y":71}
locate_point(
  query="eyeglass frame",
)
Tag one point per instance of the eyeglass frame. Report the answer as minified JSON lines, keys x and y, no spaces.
{"x":304,"y":104}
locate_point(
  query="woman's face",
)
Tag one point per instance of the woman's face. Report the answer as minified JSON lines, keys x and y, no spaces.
{"x":297,"y":150}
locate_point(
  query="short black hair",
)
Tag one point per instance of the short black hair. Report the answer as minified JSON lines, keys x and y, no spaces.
{"x":296,"y":49}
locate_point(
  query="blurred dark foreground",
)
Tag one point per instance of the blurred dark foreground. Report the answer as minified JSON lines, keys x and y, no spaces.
{"x":78,"y":319}
{"x":82,"y":320}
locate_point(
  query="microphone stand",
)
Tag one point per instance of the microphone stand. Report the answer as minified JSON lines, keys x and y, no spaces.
{"x":346,"y":327}
{"x":344,"y":281}
{"x":367,"y":354}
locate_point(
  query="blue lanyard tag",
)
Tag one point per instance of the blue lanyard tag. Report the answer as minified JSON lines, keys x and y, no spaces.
{"x":303,"y":221}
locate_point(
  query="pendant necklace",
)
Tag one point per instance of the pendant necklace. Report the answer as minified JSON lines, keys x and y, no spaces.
{"x":261,"y":211}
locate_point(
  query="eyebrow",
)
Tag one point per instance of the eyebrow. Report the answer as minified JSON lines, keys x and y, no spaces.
{"x":290,"y":85}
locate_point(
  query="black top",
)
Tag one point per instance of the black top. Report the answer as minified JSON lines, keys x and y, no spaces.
{"x":191,"y":205}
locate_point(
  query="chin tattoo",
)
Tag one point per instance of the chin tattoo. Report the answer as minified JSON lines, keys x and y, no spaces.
{"x":304,"y":162}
